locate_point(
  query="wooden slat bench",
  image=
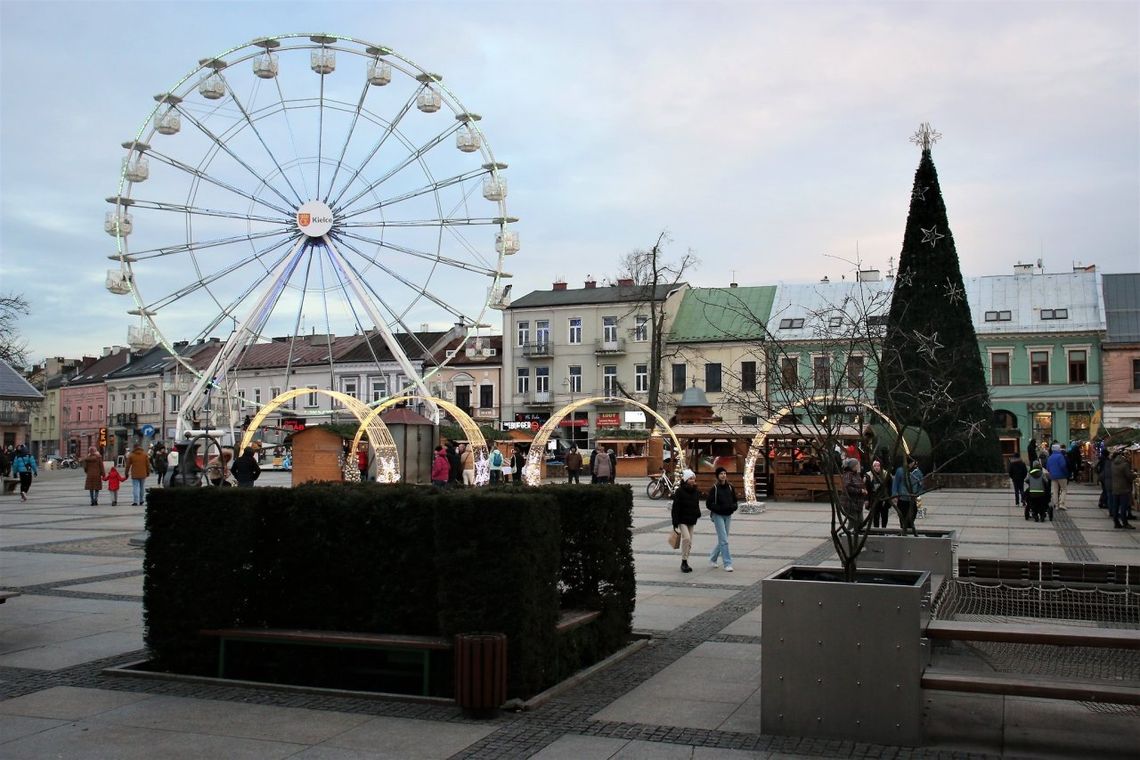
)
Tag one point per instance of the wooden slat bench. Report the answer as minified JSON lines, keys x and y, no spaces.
{"x":1056,"y":572}
{"x":1032,"y":686}
{"x":571,"y":619}
{"x":1055,"y":635}
{"x":423,"y":645}
{"x":10,"y":484}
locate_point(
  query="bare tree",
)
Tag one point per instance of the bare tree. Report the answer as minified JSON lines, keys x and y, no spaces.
{"x":13,"y":348}
{"x":651,"y":274}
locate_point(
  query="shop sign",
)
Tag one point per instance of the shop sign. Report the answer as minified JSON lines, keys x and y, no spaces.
{"x":578,"y":423}
{"x":609,"y":419}
{"x":1060,"y":406}
{"x":522,"y":425}
{"x":635,"y":417}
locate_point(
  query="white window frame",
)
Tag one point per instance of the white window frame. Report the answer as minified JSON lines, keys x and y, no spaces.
{"x":1088,"y":362}
{"x":377,"y":387}
{"x":522,"y":380}
{"x":609,"y":329}
{"x":1029,"y":351}
{"x":609,"y":379}
{"x":641,"y":378}
{"x":991,"y":351}
{"x":542,"y":332}
{"x":542,"y":379}
{"x":522,"y":331}
{"x":574,"y":373}
{"x":641,"y":328}
{"x":574,"y":330}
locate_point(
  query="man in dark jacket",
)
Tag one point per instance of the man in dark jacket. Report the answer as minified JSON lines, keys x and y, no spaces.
{"x":1017,"y":473}
{"x":721,"y":502}
{"x":454,"y":466}
{"x":573,"y":465}
{"x":686,"y":512}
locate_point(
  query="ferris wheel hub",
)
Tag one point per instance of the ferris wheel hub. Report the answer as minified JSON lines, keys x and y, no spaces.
{"x":314,"y":218}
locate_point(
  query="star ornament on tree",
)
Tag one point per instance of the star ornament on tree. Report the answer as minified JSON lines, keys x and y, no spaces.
{"x":928,"y":344}
{"x":954,"y":293}
{"x":920,"y":195}
{"x":971,"y":430}
{"x":931,"y":235}
{"x":905,"y":279}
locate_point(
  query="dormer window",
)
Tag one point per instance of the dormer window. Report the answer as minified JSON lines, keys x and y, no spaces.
{"x":1054,"y":313}
{"x":999,"y":316}
{"x":791,"y":324}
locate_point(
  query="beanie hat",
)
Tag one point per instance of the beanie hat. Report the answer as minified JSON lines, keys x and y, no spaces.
{"x":719,"y":470}
{"x":687,"y":474}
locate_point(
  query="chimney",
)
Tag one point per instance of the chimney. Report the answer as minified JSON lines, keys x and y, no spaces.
{"x":560,"y":285}
{"x":1020,"y":268}
{"x":734,"y":285}
{"x":625,"y":282}
{"x":868,"y":275}
{"x":590,"y":282}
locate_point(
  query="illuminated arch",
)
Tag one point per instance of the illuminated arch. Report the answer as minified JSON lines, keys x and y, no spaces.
{"x":757,"y":445}
{"x":532,"y":470}
{"x":378,"y":435}
{"x":470,"y":428}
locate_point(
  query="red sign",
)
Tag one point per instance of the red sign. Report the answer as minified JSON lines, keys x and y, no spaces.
{"x":293,"y":424}
{"x":609,"y":419}
{"x":567,"y":422}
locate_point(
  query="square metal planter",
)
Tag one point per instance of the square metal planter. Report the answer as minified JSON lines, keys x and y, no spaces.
{"x":844,"y":660}
{"x":932,"y":550}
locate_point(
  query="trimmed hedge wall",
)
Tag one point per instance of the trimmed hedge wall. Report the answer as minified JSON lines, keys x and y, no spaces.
{"x":393,"y":559}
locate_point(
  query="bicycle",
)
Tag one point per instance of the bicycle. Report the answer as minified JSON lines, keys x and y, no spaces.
{"x":660,"y":486}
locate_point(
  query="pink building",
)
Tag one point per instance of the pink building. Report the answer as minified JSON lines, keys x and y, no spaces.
{"x":83,"y":403}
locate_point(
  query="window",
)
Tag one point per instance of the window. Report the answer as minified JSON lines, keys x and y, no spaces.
{"x":486,"y":396}
{"x":791,"y":324}
{"x":523,"y":333}
{"x":1054,"y":313}
{"x":153,"y":403}
{"x":835,"y":322}
{"x":293,"y":401}
{"x":609,"y":329}
{"x":748,"y":376}
{"x":877,"y":321}
{"x":173,"y":400}
{"x":1079,"y":423}
{"x":377,"y":388}
{"x":111,"y":403}
{"x":749,"y":419}
{"x":575,"y":377}
{"x":542,"y":332}
{"x":1136,"y":374}
{"x":575,"y":333}
{"x":241,"y":398}
{"x":999,"y":369}
{"x":641,"y":329}
{"x":522,"y":381}
{"x":257,"y":395}
{"x":678,"y":378}
{"x":855,"y":367}
{"x":1039,"y":367}
{"x":350,"y":387}
{"x":641,"y":378}
{"x":1078,"y":368}
{"x":274,"y":392}
{"x":999,"y":316}
{"x":311,"y":398}
{"x":542,"y":379}
{"x":712,"y":378}
{"x":789,"y":371}
{"x":609,"y":379}
{"x":133,"y":395}
{"x":821,"y":371}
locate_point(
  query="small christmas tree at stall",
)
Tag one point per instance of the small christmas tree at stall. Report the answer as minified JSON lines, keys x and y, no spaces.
{"x":931,"y":370}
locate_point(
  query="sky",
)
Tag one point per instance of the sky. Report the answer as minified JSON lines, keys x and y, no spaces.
{"x":771,"y":139}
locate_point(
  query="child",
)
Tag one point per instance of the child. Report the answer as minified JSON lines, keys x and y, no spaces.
{"x":1038,"y":496}
{"x":113,"y":478}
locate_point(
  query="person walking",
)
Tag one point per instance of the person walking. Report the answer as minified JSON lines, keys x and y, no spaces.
{"x":245,"y":468}
{"x":454,"y":466}
{"x":158,"y":463}
{"x":573,"y":465}
{"x":721,"y":503}
{"x":138,"y":470}
{"x":1058,"y":467}
{"x":878,"y":482}
{"x":94,"y":471}
{"x":686,"y":511}
{"x":854,"y":492}
{"x":467,"y":461}
{"x":518,"y":462}
{"x":496,"y":462}
{"x":601,"y":466}
{"x":440,"y":469}
{"x":114,"y":479}
{"x":1037,"y":487}
{"x":24,"y":468}
{"x":1017,"y":474}
{"x":906,"y":487}
{"x":1122,"y":478}
{"x":5,"y":463}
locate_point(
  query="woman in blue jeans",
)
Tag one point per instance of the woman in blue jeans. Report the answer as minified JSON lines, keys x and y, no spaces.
{"x":721,"y":503}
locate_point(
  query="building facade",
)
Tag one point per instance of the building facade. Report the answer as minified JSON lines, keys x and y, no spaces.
{"x":1120,"y":351}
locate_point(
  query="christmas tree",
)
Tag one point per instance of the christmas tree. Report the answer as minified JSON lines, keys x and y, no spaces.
{"x":930,"y":371}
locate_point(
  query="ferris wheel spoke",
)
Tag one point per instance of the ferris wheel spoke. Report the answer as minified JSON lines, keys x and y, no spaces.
{"x":227,"y":310}
{"x":347,"y":140}
{"x":424,"y":190}
{"x":182,"y":208}
{"x":261,"y":138}
{"x":450,"y":222}
{"x":173,"y":250}
{"x":170,"y":161}
{"x":388,"y":131}
{"x":229,"y":152}
{"x":426,"y":256}
{"x":411,"y":158}
{"x":404,"y":280}
{"x":320,"y":135}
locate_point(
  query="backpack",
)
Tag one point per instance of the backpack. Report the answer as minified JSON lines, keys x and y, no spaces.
{"x":496,"y":458}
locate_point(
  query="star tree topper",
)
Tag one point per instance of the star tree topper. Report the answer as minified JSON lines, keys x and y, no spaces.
{"x":925,"y":136}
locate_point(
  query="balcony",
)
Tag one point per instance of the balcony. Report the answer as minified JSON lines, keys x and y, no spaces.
{"x":486,"y":413}
{"x":538,"y":348}
{"x":539,"y":398}
{"x":14,"y":417}
{"x":610,"y":347}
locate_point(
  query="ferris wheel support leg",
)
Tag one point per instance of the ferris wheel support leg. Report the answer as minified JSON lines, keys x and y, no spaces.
{"x":378,"y":320}
{"x":216,"y":372}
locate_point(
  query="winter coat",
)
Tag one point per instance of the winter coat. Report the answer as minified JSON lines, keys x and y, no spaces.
{"x":1122,"y":474}
{"x":454,"y":468}
{"x":467,"y":459}
{"x":113,"y":478}
{"x":24,"y":463}
{"x":721,"y":499}
{"x":877,"y":484}
{"x":440,"y":468}
{"x":1038,"y":480}
{"x":899,"y":487}
{"x":855,"y":491}
{"x":574,"y":461}
{"x":245,"y":469}
{"x":1058,"y":466}
{"x":138,"y":464}
{"x":686,"y":505}
{"x":601,"y":465}
{"x":93,"y":466}
{"x":1017,"y":470}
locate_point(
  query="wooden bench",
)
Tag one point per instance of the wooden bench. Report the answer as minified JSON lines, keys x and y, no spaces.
{"x":1020,"y":685}
{"x":1057,"y":572}
{"x":571,"y":619}
{"x":811,"y":487}
{"x":10,"y":484}
{"x":421,"y":645}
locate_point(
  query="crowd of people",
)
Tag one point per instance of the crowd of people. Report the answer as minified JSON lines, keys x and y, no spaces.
{"x":1041,"y":486}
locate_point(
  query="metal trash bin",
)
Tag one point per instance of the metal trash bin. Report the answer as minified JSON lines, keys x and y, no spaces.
{"x":480,"y":673}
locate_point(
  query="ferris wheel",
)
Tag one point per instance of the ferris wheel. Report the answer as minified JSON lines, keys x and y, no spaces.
{"x":308,"y":185}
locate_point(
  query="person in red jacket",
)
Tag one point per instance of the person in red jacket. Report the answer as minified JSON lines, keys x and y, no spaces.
{"x":113,"y":479}
{"x":440,"y":467}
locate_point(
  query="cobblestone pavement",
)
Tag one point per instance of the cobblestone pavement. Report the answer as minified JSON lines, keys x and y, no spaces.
{"x":80,"y":613}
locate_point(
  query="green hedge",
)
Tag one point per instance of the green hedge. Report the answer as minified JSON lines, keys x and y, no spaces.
{"x":393,"y":559}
